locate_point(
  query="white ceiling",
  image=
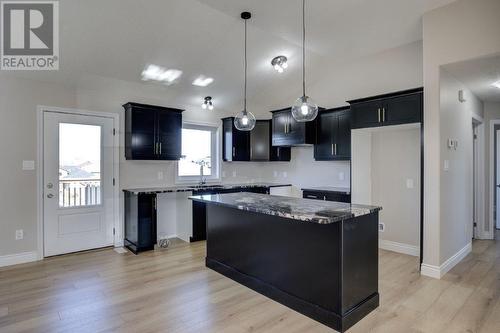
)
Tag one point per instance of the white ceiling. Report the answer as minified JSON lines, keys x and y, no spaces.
{"x":118,"y":38}
{"x":478,"y":75}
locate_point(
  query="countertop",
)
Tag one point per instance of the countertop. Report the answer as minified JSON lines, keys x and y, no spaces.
{"x":344,"y":190}
{"x":306,"y":210}
{"x":206,"y":187}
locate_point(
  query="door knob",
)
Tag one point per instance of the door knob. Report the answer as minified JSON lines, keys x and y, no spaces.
{"x":50,"y":195}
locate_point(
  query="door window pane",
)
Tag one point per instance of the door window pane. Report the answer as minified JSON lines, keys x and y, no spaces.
{"x":79,"y":165}
{"x":196,"y":152}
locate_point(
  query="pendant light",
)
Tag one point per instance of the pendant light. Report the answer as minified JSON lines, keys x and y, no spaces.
{"x":245,"y":120}
{"x":304,"y":108}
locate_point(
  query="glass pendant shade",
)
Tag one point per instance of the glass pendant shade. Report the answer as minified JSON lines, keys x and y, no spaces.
{"x":304,"y":109}
{"x":244,"y":121}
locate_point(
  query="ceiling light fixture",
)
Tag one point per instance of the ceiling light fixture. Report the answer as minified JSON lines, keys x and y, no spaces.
{"x":280,"y":63}
{"x":304,"y":108}
{"x":207,"y":103}
{"x":245,"y":120}
{"x":496,"y":84}
{"x":202,"y":81}
{"x":161,"y":74}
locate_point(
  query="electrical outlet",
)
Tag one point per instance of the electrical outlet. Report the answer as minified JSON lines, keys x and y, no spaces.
{"x":381,"y":227}
{"x":446,"y":166}
{"x":19,"y":234}
{"x":410,"y":183}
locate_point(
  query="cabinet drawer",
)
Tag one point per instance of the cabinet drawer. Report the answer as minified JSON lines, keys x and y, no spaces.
{"x":327,"y":196}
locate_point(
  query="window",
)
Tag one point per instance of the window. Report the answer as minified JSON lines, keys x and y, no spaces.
{"x":79,"y":165}
{"x":199,"y":153}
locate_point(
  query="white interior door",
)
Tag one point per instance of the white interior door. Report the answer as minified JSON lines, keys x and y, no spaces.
{"x":78,"y":182}
{"x":497,"y":177}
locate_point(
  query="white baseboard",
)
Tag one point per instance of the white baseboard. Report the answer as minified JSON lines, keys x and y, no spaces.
{"x":438,"y":272}
{"x":18,"y":258}
{"x":399,"y":247}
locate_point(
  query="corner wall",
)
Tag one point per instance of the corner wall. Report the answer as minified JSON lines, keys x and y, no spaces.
{"x":463,"y":30}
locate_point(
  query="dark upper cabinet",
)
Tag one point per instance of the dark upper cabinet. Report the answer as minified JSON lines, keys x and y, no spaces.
{"x":235,"y":143}
{"x":152,"y":132}
{"x":333,"y":140}
{"x":254,"y":145}
{"x":286,"y":131}
{"x":259,"y":141}
{"x":397,"y":108}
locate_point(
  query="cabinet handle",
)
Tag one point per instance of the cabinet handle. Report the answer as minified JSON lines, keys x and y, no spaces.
{"x":160,"y":148}
{"x":234,"y":151}
{"x":335,"y":149}
{"x":309,"y":196}
{"x":278,"y":152}
{"x":383,"y":115}
{"x":156,"y":148}
{"x":379,"y":115}
{"x":324,"y":197}
{"x":332,"y":150}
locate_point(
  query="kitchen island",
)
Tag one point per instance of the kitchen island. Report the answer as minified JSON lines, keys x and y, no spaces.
{"x":319,"y":258}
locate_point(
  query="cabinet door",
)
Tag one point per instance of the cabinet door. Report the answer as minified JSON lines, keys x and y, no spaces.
{"x":323,"y":149}
{"x":169,"y":135}
{"x":338,"y":197}
{"x":227,"y":139}
{"x":366,"y":114}
{"x":140,"y":134}
{"x":236,"y":144}
{"x":281,"y":154}
{"x":259,"y":141}
{"x":343,"y":136}
{"x":296,"y":131}
{"x":280,"y":128}
{"x":403,"y":110}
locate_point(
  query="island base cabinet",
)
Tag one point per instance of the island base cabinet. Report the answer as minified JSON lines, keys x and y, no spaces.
{"x":328,"y":272}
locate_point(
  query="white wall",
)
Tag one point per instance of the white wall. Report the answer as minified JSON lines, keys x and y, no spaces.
{"x":18,"y":129}
{"x":463,"y":30}
{"x":396,"y":160}
{"x":383,"y":160}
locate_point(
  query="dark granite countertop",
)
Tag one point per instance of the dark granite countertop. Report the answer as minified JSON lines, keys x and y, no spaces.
{"x":344,"y":190}
{"x":307,"y":210}
{"x":206,"y":187}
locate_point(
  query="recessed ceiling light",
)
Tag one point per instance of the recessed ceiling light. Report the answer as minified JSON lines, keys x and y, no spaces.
{"x":279,"y":63}
{"x":202,"y":81}
{"x":496,"y":84}
{"x":161,"y":74}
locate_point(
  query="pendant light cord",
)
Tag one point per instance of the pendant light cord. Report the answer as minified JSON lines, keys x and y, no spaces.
{"x":304,"y":47}
{"x":245,"y":91}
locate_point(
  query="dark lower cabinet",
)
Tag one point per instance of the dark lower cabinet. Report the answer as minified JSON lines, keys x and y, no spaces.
{"x":333,"y":141}
{"x":200,"y":209}
{"x":327,"y":196}
{"x":404,"y":107}
{"x":152,"y":132}
{"x":140,"y":221}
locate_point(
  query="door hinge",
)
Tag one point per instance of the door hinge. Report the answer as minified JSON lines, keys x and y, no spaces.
{"x":114,"y":131}
{"x":475,"y":224}
{"x":114,"y":182}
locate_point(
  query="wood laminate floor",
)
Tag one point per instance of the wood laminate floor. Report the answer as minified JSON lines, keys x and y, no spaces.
{"x":172,"y":291}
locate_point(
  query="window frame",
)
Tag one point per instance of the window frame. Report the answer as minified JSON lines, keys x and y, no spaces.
{"x":215,"y":158}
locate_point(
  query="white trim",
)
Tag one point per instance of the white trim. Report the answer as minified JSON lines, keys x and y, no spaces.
{"x":118,"y":223}
{"x":489,"y":234}
{"x":438,"y":272}
{"x":480,"y":176}
{"x":408,"y":249}
{"x":18,"y":258}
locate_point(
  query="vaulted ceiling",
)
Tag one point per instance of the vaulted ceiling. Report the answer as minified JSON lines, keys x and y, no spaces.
{"x":118,"y":38}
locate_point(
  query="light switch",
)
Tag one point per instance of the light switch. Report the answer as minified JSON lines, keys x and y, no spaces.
{"x":446,"y":165}
{"x":410,"y":183}
{"x":28,"y":165}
